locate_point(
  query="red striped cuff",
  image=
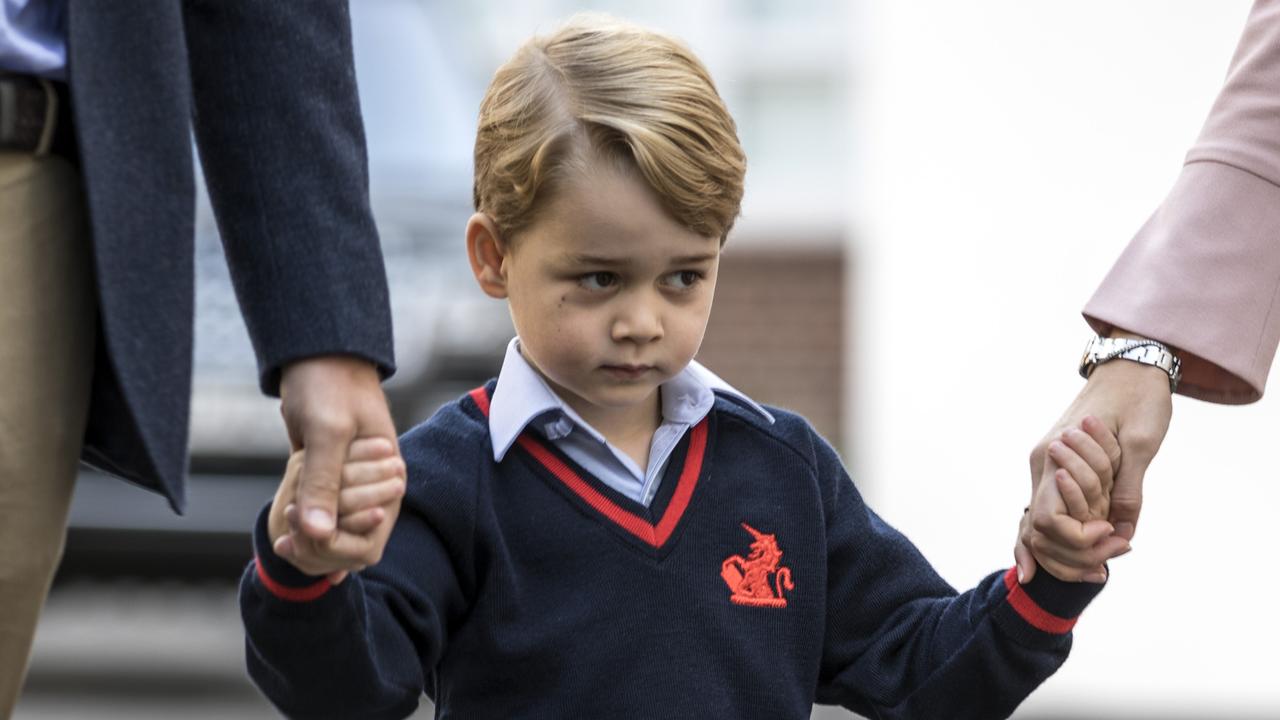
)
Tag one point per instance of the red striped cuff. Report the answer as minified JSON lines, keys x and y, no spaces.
{"x":292,"y":594}
{"x":1029,"y":610}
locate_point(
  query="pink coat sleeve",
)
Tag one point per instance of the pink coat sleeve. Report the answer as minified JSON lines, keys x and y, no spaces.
{"x":1203,"y":273}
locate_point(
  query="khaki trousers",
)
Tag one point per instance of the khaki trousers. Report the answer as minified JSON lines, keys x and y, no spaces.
{"x":47,"y":326}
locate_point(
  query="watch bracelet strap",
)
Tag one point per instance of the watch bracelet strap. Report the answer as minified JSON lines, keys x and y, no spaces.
{"x":1124,"y":350}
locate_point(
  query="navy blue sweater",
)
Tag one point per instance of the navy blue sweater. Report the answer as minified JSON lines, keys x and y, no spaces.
{"x":756,"y":583}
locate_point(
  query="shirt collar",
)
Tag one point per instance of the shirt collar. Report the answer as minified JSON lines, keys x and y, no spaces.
{"x":522,"y":397}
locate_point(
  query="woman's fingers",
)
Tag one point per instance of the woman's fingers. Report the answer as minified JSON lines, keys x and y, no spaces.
{"x":1062,"y":529}
{"x":1074,"y":565}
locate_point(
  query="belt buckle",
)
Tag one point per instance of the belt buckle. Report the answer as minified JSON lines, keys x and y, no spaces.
{"x":10,"y":110}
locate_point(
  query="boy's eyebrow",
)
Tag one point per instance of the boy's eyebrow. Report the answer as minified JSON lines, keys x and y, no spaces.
{"x":693,"y":259}
{"x":581,"y":259}
{"x":602,"y":261}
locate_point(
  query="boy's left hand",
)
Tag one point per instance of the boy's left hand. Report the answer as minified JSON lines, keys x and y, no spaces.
{"x":1087,"y":458}
{"x":1075,"y":541}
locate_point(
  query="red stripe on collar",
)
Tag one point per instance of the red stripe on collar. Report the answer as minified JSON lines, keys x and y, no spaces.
{"x":654,"y":535}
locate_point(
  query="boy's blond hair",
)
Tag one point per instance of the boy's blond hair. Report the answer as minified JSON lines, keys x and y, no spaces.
{"x":601,"y":88}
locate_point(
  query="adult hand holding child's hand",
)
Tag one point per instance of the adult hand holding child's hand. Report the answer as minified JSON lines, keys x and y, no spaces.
{"x":330,"y":404}
{"x":1065,"y":529}
{"x":373,"y":482}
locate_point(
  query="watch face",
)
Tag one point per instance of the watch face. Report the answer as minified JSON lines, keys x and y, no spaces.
{"x":1090,"y":355}
{"x":1086,"y":361}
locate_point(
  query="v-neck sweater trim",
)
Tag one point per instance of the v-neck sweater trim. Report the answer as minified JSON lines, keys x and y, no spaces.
{"x":654,"y":535}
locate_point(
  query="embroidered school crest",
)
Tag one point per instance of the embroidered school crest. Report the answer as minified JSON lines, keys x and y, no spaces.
{"x":757,"y":580}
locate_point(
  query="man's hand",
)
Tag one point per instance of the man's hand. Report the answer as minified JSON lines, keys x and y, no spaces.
{"x":1133,"y":401}
{"x":327,"y":403}
{"x":373,"y":482}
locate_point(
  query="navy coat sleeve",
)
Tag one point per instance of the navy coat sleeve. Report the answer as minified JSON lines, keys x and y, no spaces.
{"x":277,"y":123}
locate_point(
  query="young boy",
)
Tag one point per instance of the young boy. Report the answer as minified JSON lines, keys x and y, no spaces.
{"x":608,"y":530}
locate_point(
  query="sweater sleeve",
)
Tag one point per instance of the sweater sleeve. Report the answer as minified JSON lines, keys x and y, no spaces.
{"x":360,"y":649}
{"x":901,"y":643}
{"x":1203,"y":273}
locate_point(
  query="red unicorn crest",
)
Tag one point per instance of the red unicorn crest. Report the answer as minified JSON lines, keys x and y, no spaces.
{"x":748,"y":578}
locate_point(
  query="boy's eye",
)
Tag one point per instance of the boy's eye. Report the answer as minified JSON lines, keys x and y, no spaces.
{"x":598,"y":280}
{"x":684,"y":279}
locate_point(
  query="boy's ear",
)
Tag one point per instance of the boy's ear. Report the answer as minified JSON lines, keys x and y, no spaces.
{"x":486,"y":251}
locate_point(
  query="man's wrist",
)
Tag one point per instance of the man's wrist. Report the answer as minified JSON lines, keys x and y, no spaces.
{"x":349,"y":363}
{"x":315,"y":374}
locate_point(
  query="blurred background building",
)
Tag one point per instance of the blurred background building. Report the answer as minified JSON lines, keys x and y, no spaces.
{"x":933,"y":191}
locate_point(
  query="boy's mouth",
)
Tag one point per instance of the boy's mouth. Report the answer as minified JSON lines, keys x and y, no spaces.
{"x":627,"y":372}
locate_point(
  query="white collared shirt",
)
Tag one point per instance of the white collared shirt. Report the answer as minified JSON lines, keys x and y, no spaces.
{"x":522,"y":398}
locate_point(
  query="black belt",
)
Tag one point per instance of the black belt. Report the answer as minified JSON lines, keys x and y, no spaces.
{"x":35,"y":115}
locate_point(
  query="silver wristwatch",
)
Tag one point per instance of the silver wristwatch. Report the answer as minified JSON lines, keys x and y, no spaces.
{"x":1140,"y":350}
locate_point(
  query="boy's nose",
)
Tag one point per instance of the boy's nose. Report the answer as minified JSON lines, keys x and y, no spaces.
{"x":638,"y":323}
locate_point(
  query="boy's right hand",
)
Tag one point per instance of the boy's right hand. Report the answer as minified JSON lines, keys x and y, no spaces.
{"x":373,"y":481}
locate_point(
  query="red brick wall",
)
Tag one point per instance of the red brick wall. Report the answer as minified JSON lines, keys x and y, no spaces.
{"x":777,"y":330}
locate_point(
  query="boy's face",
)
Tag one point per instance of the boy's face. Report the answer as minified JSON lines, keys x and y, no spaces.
{"x":610,"y":295}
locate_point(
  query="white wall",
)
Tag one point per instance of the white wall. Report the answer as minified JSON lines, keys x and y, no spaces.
{"x":1011,"y":150}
